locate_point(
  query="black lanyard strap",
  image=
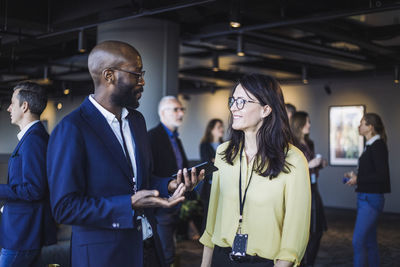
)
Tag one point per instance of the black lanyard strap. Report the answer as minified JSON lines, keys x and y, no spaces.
{"x":241,"y":202}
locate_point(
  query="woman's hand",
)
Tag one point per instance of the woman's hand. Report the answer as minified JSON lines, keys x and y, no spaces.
{"x":315,"y":162}
{"x":353,"y":178}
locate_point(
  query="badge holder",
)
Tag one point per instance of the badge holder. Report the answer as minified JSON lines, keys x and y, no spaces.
{"x":239,"y":246}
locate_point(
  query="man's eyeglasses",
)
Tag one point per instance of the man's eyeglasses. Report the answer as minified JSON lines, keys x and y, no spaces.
{"x":139,"y":75}
{"x":240,"y":102}
{"x":177,"y":109}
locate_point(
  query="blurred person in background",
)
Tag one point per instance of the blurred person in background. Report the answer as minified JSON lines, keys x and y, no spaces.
{"x":212,"y":138}
{"x":168,"y":157}
{"x":27,"y":223}
{"x":290,"y":110}
{"x":300,"y":124}
{"x":372,"y":181}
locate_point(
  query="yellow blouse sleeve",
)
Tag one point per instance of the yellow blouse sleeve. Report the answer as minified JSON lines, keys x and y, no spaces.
{"x":212,"y":207}
{"x":296,"y":224}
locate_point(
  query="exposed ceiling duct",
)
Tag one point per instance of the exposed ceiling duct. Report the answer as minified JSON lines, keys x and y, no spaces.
{"x":328,"y":39}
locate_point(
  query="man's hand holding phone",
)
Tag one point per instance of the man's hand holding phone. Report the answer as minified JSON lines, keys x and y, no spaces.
{"x":190,"y":180}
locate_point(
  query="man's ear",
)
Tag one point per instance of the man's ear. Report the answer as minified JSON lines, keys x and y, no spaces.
{"x":108,"y":75}
{"x":25,"y":106}
{"x":266,"y":111}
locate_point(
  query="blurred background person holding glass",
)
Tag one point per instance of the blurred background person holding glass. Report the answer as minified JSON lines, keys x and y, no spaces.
{"x":372,"y":181}
{"x":301,"y":124}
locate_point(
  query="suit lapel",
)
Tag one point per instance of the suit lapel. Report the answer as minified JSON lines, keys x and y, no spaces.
{"x":184,"y":159}
{"x":15,"y":152}
{"x":166,"y":141}
{"x":103,"y":130}
{"x":137,"y":136}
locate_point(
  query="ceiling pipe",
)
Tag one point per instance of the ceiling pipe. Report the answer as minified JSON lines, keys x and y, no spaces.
{"x":291,"y":22}
{"x":314,"y":47}
{"x":141,"y":14}
{"x":5,"y":16}
{"x":19,"y":34}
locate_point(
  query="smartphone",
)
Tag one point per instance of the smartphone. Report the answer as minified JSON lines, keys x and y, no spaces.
{"x":207,"y":166}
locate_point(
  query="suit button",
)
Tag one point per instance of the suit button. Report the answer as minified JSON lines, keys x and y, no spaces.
{"x":114,"y":225}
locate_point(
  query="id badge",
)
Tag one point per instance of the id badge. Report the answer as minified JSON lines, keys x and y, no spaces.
{"x":147,"y":231}
{"x":239,"y":245}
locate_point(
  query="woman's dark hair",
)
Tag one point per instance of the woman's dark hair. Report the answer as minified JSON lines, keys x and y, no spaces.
{"x":274,"y":135}
{"x":291,"y":108}
{"x":208,"y":137}
{"x":376,"y":122}
{"x":297,"y":123}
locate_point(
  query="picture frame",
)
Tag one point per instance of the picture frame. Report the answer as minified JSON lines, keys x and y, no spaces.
{"x":345,"y":143}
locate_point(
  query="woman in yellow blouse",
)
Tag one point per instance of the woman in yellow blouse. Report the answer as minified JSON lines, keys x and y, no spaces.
{"x":269,"y":224}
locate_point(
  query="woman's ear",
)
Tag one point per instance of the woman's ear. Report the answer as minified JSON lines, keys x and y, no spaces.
{"x":266,"y":111}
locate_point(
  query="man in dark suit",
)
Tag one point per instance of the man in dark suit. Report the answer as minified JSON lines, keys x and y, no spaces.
{"x":26,"y":223}
{"x":168,"y":157}
{"x":99,"y":168}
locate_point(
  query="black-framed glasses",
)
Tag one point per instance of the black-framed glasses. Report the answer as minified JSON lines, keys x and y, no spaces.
{"x":139,"y":75}
{"x":240,"y":102}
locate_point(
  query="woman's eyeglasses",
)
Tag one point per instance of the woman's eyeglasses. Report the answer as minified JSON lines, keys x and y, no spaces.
{"x":240,"y":102}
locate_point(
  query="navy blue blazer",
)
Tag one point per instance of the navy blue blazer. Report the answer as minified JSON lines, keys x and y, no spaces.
{"x":27,"y":222}
{"x":91,"y":187}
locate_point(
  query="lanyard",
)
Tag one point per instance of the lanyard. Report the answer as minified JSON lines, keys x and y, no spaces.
{"x":241,"y":202}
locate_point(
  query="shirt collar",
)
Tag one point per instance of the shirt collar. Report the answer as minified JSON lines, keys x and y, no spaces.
{"x":26,"y":128}
{"x":169,"y":132}
{"x":372,"y":140}
{"x":110,"y":117}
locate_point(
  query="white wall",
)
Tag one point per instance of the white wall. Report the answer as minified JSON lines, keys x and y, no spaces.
{"x":200,"y":110}
{"x":379,"y":95}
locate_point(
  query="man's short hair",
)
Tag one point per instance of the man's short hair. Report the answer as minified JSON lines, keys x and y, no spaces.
{"x":163,"y":101}
{"x":34,"y":95}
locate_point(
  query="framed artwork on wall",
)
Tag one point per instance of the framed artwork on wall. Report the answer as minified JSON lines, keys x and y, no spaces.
{"x":345,"y":144}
